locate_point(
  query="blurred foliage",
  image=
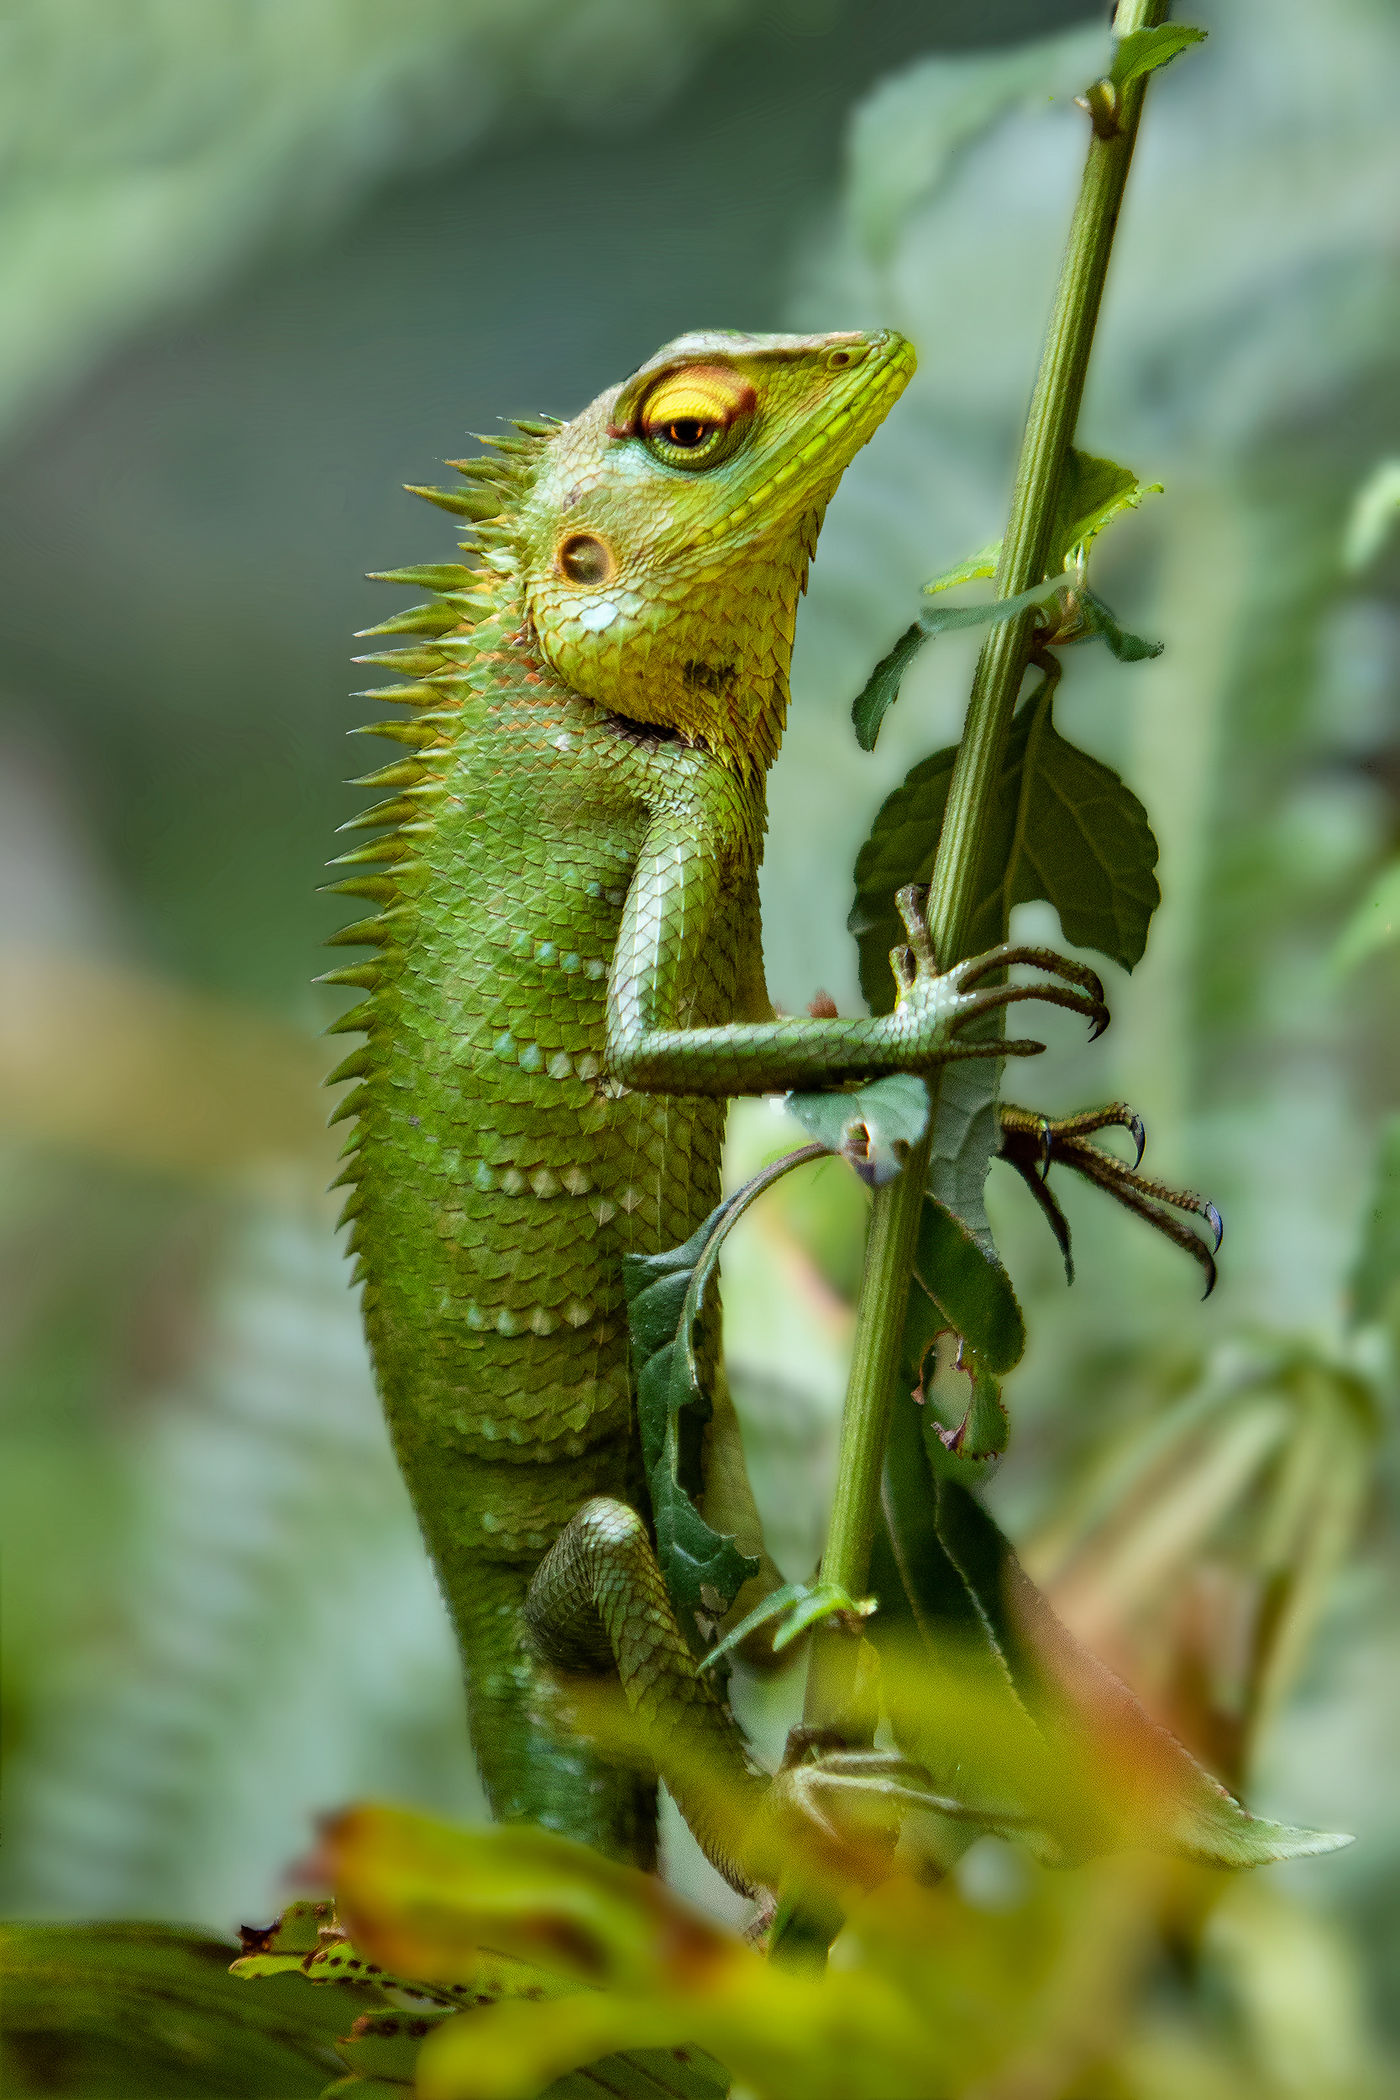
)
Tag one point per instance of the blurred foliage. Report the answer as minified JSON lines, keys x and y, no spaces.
{"x":219,"y":1620}
{"x":149,"y":150}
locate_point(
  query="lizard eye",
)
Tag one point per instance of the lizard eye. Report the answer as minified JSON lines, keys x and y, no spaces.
{"x":694,"y":419}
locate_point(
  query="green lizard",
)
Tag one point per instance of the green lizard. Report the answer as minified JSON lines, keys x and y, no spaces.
{"x":568,"y":984}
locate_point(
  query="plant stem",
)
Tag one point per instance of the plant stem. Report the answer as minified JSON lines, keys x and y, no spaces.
{"x":1050,"y":425}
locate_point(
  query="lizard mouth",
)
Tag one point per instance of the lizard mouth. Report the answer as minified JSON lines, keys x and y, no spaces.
{"x":883,"y":377}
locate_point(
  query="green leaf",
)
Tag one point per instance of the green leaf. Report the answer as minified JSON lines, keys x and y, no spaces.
{"x":968,"y":570}
{"x":799,"y":1605}
{"x":1377,"y":1273}
{"x":966,"y":1139}
{"x":960,"y":1284}
{"x":1144,"y":50}
{"x":1093,"y":492}
{"x":704,"y":1569}
{"x":1374,"y":925}
{"x":103,"y":2012}
{"x":1064,"y":828}
{"x":870,"y":1127}
{"x":1098,"y":624}
{"x":881,"y":689}
{"x":1058,"y":1741}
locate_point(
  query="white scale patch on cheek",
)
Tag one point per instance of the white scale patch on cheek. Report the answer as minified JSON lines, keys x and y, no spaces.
{"x":596,"y":617}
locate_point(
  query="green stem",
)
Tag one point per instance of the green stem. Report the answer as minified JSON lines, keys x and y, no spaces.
{"x":1050,"y":426}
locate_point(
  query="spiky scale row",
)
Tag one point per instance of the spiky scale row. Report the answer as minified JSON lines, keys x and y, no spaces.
{"x":432,"y":617}
{"x":414,"y":662}
{"x":464,"y":503}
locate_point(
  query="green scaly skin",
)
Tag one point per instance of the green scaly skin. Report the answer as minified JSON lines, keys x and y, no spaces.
{"x":568,"y":984}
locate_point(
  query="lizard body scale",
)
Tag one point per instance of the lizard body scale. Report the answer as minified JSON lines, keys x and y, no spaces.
{"x":567,"y":984}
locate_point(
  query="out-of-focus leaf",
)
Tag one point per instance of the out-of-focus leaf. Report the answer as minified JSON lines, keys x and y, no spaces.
{"x":139,"y":2012}
{"x":1065,"y":828}
{"x":100,"y":1059}
{"x":1377,"y":1271}
{"x":1374,"y":515}
{"x":909,"y":135}
{"x":1095,"y":1773}
{"x":150,"y":157}
{"x":665,"y":1301}
{"x":1143,"y":50}
{"x":1374,"y":925}
{"x":1257,"y":1473}
{"x":1294,"y":1986}
{"x":870,"y":1127}
{"x":424,"y":1898}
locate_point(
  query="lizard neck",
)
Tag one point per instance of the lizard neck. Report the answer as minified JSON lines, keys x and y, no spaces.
{"x":703,"y":651}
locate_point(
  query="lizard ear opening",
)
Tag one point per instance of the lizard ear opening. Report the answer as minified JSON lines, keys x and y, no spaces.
{"x":584,"y":558}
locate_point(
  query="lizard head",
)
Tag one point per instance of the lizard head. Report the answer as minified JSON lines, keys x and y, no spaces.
{"x":665,"y":537}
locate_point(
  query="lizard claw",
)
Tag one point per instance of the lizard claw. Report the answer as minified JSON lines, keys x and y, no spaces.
{"x":934,"y":1008}
{"x":912,"y":905}
{"x":1082,"y":990}
{"x":1028,"y":1140}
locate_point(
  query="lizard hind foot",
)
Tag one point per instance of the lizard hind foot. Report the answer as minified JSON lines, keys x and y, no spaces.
{"x":1033,"y":1143}
{"x":840,"y":1812}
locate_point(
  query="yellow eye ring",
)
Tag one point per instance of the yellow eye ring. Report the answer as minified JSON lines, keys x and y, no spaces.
{"x":696,"y":417}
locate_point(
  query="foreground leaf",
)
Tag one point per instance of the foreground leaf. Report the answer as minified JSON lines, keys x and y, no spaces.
{"x":143,"y":2011}
{"x":871,"y":1127}
{"x":704,"y":1569}
{"x":1093,"y":492}
{"x":1057,"y":1739}
{"x":422,"y":1897}
{"x":881,"y":689}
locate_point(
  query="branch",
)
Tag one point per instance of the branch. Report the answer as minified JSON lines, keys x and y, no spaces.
{"x":1050,"y":426}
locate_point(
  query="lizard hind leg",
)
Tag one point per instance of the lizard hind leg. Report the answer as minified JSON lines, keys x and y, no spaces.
{"x":598,"y":1603}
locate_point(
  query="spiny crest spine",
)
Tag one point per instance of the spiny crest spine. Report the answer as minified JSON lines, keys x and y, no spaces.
{"x":462,"y":596}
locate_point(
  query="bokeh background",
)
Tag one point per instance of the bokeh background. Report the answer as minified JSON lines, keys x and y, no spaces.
{"x":266,"y":260}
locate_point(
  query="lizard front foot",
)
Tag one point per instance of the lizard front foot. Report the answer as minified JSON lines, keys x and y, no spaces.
{"x":935,"y":1007}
